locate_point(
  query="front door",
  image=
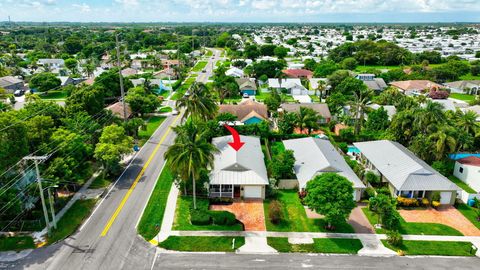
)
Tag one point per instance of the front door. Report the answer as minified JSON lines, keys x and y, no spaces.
{"x":236,"y":191}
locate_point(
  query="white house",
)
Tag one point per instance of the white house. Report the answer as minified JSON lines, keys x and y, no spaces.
{"x":315,"y":156}
{"x":293,"y":85}
{"x":234,"y":72}
{"x":468,"y":170}
{"x":238,"y":174}
{"x":406,"y":174}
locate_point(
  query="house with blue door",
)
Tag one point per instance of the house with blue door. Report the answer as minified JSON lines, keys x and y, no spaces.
{"x":247,"y":112}
{"x":247,"y":86}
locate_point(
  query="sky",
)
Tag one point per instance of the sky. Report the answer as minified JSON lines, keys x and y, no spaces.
{"x":241,"y":10}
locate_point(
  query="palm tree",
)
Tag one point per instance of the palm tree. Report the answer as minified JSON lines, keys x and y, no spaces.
{"x":321,"y":87}
{"x":308,"y":119}
{"x":467,"y":121}
{"x":444,"y":141}
{"x":431,"y":114}
{"x":190,"y":155}
{"x":359,"y":107}
{"x":198,"y":103}
{"x":280,"y":76}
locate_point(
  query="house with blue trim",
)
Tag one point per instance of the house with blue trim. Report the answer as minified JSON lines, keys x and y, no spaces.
{"x":247,"y":112}
{"x":247,"y":86}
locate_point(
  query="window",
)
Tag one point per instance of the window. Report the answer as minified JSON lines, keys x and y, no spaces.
{"x":227,"y":188}
{"x":214,"y":188}
{"x":460,"y":170}
{"x":406,"y":194}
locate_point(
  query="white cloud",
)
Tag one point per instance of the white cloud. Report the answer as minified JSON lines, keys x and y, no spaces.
{"x":82,"y":7}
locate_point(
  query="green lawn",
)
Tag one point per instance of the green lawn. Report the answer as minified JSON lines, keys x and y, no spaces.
{"x":182,"y":217}
{"x":463,"y":97}
{"x":202,"y":243}
{"x":362,"y":68}
{"x":100,"y":182}
{"x":295,"y":219}
{"x":72,"y":219}
{"x":469,"y":77}
{"x":415,"y":228}
{"x":470,"y":213}
{"x":320,"y":245}
{"x":199,"y":66}
{"x":183,"y":88}
{"x":152,"y":217}
{"x":54,"y":95}
{"x":165,"y":109}
{"x":16,"y":243}
{"x":441,"y":248}
{"x":208,"y":53}
{"x":152,"y":124}
{"x":261,"y":95}
{"x":461,"y":184}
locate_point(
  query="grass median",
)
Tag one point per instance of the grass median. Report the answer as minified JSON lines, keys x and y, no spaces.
{"x":16,"y":243}
{"x":440,"y":248}
{"x":320,"y":245}
{"x":152,"y":217}
{"x":202,"y":243}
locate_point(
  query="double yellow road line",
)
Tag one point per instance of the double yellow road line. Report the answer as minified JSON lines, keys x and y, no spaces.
{"x":130,"y":190}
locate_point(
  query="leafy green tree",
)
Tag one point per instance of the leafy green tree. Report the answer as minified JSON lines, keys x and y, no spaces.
{"x":331,"y":195}
{"x":13,"y":139}
{"x":251,"y":52}
{"x":88,"y":99}
{"x":109,"y":83}
{"x":286,"y":122}
{"x":282,"y":168}
{"x":337,"y":77}
{"x":281,"y":52}
{"x":325,"y":68}
{"x":351,"y":85}
{"x":273,"y":100}
{"x":39,"y":129}
{"x":132,"y":126}
{"x":112,"y":145}
{"x":43,"y":82}
{"x":198,"y":103}
{"x":349,"y":63}
{"x":268,"y":68}
{"x":141,"y":102}
{"x":190,"y":155}
{"x":73,"y":45}
{"x":377,"y":120}
{"x":72,"y":65}
{"x":267,"y":49}
{"x":384,"y":207}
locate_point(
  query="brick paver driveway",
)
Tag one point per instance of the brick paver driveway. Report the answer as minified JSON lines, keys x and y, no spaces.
{"x":446,"y":215}
{"x":359,"y":221}
{"x":249,"y":212}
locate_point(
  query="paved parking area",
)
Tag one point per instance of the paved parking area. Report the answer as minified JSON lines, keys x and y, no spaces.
{"x":249,"y":212}
{"x":447,"y":215}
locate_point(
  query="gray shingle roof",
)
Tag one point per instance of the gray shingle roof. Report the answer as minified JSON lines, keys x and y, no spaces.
{"x":315,"y":156}
{"x":242,"y":167}
{"x":402,"y":168}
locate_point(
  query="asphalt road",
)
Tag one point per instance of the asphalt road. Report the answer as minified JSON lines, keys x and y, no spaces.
{"x":121,"y":247}
{"x":212,"y":60}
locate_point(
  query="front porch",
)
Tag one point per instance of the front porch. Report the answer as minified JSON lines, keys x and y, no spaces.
{"x":236,"y":191}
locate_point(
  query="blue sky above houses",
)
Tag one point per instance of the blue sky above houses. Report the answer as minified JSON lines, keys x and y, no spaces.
{"x":242,"y":10}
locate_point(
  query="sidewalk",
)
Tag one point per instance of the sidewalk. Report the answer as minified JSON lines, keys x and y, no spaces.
{"x":168,"y":217}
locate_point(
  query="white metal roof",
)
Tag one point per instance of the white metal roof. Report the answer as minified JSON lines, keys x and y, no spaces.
{"x":243,"y":167}
{"x":402,"y":168}
{"x":314,"y":156}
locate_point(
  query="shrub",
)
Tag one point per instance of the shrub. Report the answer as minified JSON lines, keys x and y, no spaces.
{"x":200,"y":217}
{"x":275,"y":213}
{"x":369,"y":193}
{"x":223,"y":218}
{"x":435,"y":204}
{"x":444,"y":167}
{"x":436,"y":196}
{"x":343,"y":146}
{"x":372,"y":178}
{"x":407,"y":202}
{"x":391,"y":219}
{"x":394,"y":238}
{"x":425,"y":202}
{"x":383,"y":190}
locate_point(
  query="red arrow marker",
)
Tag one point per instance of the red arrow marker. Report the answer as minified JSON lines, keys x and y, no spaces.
{"x":236,"y":144}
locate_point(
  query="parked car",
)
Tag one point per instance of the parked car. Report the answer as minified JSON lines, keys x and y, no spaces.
{"x":19,"y":93}
{"x":174,"y":112}
{"x":245,"y":95}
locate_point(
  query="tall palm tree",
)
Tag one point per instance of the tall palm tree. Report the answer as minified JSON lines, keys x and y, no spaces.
{"x":359,"y":107}
{"x":444,"y":142}
{"x":191,"y":154}
{"x":198,"y":103}
{"x":307,"y":119}
{"x":431,"y":114}
{"x":280,"y":76}
{"x":467,"y":121}
{"x":321,"y":87}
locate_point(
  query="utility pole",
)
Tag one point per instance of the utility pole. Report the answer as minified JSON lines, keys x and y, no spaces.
{"x":36,"y":160}
{"x":122,"y":91}
{"x":52,"y":209}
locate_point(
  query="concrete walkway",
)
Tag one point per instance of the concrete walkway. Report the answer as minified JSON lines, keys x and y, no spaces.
{"x":168,"y":217}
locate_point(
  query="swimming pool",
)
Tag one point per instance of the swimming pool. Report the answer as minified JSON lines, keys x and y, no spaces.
{"x":462,"y":155}
{"x":353,"y":149}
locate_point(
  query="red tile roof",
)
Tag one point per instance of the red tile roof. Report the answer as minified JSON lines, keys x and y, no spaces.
{"x":296,"y":73}
{"x":472,"y":161}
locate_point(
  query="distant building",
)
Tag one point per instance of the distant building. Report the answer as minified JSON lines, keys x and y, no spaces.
{"x":375,"y":84}
{"x":415,"y":87}
{"x":53,"y":63}
{"x":11,"y":84}
{"x":247,"y":86}
{"x":298,"y":73}
{"x":234,"y":72}
{"x":470,"y":87}
{"x":320,"y":108}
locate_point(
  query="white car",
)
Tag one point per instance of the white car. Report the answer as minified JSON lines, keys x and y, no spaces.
{"x":245,"y":95}
{"x":174,"y":112}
